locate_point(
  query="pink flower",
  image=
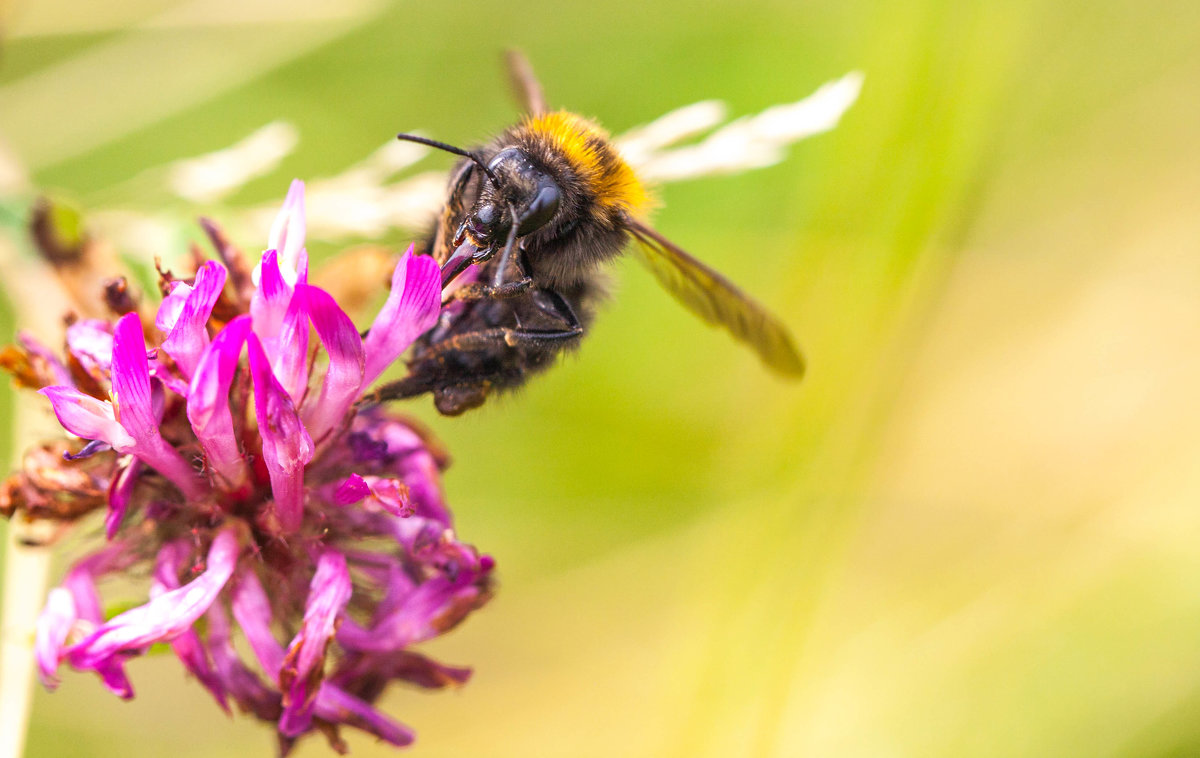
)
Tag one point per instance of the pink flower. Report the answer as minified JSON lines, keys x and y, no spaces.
{"x":233,"y":458}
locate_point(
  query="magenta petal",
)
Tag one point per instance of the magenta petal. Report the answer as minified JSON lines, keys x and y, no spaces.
{"x":391,"y":495}
{"x":61,"y":375}
{"x":412,"y":622}
{"x":368,"y":674}
{"x":303,"y":665}
{"x":208,"y":403}
{"x":189,"y":333}
{"x":411,"y":309}
{"x":397,"y":585}
{"x":87,"y":417}
{"x":154,"y":451}
{"x":136,"y":411}
{"x":131,"y":377}
{"x":50,"y":634}
{"x":172,"y":306}
{"x":272,"y":286}
{"x":165,"y":616}
{"x":112,"y":674}
{"x":242,"y":684}
{"x":287,"y":446}
{"x":93,"y":419}
{"x":404,"y":450}
{"x":280,"y":319}
{"x":190,"y":651}
{"x":436,"y":604}
{"x":353,"y":489}
{"x":340,"y":707}
{"x":167,"y":376}
{"x":171,"y":558}
{"x":187,"y":646}
{"x":343,"y":377}
{"x":381,"y":493}
{"x":91,"y":342}
{"x":288,"y":230}
{"x":252,"y":611}
{"x":119,"y":494}
{"x":290,"y":361}
{"x":76,"y":605}
{"x":81,"y":579}
{"x":75,"y":601}
{"x":270,"y":300}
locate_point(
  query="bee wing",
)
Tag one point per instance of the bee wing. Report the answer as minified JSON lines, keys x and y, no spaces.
{"x":715,"y":299}
{"x":525,"y":84}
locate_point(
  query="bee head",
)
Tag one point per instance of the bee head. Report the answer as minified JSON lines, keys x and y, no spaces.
{"x":518,"y":191}
{"x":518,"y":197}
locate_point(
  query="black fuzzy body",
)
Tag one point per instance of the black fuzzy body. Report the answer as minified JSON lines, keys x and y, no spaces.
{"x":564,"y":258}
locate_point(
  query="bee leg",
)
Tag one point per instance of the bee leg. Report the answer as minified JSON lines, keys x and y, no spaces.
{"x":471,"y":390}
{"x":509,"y":245}
{"x":401,"y":389}
{"x":505,"y":291}
{"x":500,"y":288}
{"x":549,"y":302}
{"x":553,"y":304}
{"x":486,"y":339}
{"x":453,"y":400}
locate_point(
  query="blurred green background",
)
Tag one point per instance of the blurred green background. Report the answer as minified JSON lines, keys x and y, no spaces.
{"x":973,"y":530}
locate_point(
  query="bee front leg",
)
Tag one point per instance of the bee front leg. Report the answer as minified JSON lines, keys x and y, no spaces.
{"x":549,"y":302}
{"x":480,"y":291}
{"x":456,"y":391}
{"x":401,"y":389}
{"x":501,"y":336}
{"x":450,"y":399}
{"x":501,"y":287}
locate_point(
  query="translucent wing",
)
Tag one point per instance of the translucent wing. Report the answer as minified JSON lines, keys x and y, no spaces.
{"x":715,"y":299}
{"x":524,"y":83}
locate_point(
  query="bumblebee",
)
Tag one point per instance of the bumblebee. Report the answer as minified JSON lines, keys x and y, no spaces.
{"x":529,"y":222}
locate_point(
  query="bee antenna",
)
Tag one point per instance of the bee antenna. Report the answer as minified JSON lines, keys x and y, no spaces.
{"x":452,"y":149}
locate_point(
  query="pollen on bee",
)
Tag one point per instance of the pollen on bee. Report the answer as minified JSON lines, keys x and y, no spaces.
{"x":587,"y":147}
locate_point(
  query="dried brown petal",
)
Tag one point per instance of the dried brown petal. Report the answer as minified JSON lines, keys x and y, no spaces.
{"x":57,"y":231}
{"x":235,"y":262}
{"x":50,"y":487}
{"x":118,"y":297}
{"x":27,"y":370}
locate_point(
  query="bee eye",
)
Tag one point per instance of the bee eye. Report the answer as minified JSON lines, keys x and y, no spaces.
{"x":541,"y":209}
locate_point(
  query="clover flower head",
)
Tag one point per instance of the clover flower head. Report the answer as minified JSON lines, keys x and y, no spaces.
{"x":238,"y":472}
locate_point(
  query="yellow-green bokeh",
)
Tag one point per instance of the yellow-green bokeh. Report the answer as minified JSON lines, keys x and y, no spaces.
{"x":973,"y":530}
